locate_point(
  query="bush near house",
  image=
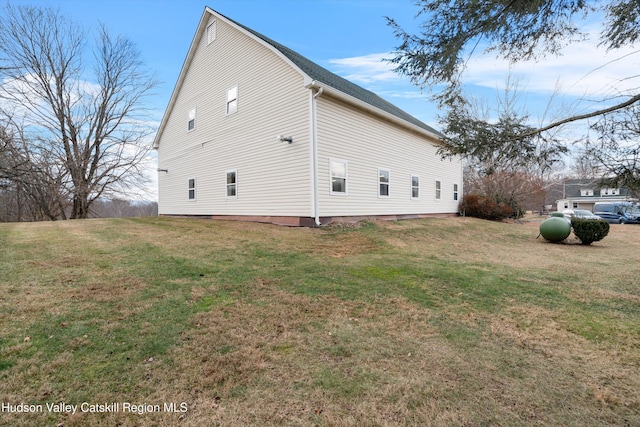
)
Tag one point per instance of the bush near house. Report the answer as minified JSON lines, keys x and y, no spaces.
{"x":589,"y":230}
{"x":485,"y":207}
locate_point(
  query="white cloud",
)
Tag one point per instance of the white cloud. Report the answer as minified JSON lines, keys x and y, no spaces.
{"x":406,"y":94}
{"x":374,"y":73}
{"x":365,"y":69}
{"x":584,"y":70}
{"x":585,"y":78}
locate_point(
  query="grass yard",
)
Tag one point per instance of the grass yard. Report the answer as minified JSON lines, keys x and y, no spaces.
{"x":434,"y":322}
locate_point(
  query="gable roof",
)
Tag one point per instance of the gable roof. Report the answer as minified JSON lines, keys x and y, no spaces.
{"x":572,"y":188}
{"x":321,"y":74}
{"x":312,"y":72}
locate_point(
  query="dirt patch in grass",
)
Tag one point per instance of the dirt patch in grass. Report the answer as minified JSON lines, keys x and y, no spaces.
{"x":341,"y":245}
{"x":107,"y":292}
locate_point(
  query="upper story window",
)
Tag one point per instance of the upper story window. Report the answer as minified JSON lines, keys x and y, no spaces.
{"x":383,"y":182}
{"x":191,"y":123}
{"x":586,"y":192}
{"x":338,"y":172}
{"x":232,"y":100}
{"x":610,"y":192}
{"x":211,"y":32}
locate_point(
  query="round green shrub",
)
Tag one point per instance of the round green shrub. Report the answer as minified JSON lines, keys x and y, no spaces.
{"x":589,"y":230}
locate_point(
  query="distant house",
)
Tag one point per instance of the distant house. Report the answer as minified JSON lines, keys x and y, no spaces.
{"x":584,"y":193}
{"x":255,"y":131}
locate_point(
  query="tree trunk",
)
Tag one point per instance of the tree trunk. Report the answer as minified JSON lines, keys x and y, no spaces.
{"x":80,"y":206}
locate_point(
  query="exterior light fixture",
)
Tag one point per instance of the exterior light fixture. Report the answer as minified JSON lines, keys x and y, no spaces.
{"x":282,"y":138}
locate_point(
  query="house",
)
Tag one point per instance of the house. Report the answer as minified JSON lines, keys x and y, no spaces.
{"x":255,"y":131}
{"x":585,"y":193}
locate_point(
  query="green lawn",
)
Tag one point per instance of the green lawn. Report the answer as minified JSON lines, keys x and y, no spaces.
{"x":434,"y":322}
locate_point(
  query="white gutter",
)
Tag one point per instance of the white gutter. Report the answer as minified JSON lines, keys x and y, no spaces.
{"x":314,"y":153}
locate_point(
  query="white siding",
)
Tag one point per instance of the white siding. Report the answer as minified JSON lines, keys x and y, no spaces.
{"x":273,"y":176}
{"x":369,"y":143}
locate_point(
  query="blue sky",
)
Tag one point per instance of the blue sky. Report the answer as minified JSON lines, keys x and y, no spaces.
{"x":350,"y":38}
{"x":325,"y":31}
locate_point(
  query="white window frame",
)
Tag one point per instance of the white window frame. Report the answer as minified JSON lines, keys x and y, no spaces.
{"x":438,"y":188}
{"x":417,"y":187}
{"x":345,"y":177}
{"x":191,"y":189}
{"x":586,"y":192}
{"x":232,"y":99}
{"x":381,"y":183}
{"x":455,"y":192}
{"x":191,"y":118}
{"x":211,"y":32}
{"x":234,"y":184}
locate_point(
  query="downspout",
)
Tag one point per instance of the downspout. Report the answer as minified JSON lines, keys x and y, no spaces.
{"x":314,"y":154}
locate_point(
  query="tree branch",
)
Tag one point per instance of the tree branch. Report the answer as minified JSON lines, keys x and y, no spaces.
{"x":617,"y":107}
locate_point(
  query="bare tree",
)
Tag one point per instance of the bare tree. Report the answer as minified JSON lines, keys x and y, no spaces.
{"x":33,"y":182}
{"x":504,"y":160}
{"x":617,"y":148}
{"x":585,"y":166}
{"x":119,"y":208}
{"x":84,"y":115}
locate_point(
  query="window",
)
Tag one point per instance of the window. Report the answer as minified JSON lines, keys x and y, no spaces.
{"x":232,"y":100}
{"x":338,"y":172}
{"x":610,"y":192}
{"x":587,"y":192}
{"x":415,"y":187}
{"x":232,"y":184}
{"x":438,"y":189}
{"x":211,"y":32}
{"x":383,"y":182}
{"x":191,"y":124}
{"x":455,"y":191}
{"x":192,"y":188}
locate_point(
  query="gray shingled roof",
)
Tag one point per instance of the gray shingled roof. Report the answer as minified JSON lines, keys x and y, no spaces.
{"x":322,"y":75}
{"x":572,"y":188}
